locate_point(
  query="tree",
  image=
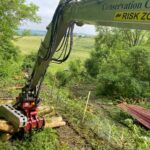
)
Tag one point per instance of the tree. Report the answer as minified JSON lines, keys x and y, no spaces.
{"x":120,"y":63}
{"x":106,"y":42}
{"x":24,"y":33}
{"x":139,"y":62}
{"x":13,"y":13}
{"x":134,"y":37}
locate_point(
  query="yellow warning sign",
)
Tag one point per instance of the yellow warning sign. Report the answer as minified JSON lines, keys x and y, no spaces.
{"x":143,"y":16}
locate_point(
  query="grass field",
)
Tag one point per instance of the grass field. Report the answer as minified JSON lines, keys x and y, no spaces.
{"x":81,"y":49}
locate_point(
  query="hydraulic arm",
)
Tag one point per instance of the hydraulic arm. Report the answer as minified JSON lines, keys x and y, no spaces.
{"x":57,"y":43}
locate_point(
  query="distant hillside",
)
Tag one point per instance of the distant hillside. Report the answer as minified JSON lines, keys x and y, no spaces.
{"x":33,"y":32}
{"x":43,"y":32}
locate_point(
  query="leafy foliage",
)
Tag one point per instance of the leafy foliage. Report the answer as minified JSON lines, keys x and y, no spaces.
{"x":28,"y":62}
{"x":74,"y":72}
{"x":13,"y":13}
{"x":122,"y":69}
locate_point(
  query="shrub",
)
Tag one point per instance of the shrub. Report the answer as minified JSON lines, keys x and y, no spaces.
{"x":63,"y":77}
{"x":120,"y":72}
{"x":8,"y":51}
{"x":92,"y":67}
{"x":75,"y":68}
{"x":28,"y":62}
{"x":74,"y":72}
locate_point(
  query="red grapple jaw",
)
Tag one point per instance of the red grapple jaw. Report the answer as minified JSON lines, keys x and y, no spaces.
{"x":25,"y":116}
{"x":31,"y":111}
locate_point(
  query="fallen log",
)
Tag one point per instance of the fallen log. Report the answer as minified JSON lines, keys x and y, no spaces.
{"x":44,"y":110}
{"x":6,"y":101}
{"x":5,"y":137}
{"x":8,"y":130}
{"x":54,"y":122}
{"x":54,"y":119}
{"x":6,"y":127}
{"x":50,"y":123}
{"x":51,"y":114}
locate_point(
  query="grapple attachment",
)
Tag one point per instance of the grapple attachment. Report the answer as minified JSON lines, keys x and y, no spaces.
{"x":15,"y":117}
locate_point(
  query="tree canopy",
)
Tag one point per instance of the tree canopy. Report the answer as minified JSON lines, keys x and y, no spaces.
{"x":13,"y":13}
{"x":121,"y":62}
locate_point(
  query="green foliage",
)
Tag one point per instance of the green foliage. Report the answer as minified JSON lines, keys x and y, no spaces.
{"x":92,"y":66}
{"x":8,"y":69}
{"x":9,"y":56}
{"x":105,"y":44}
{"x":63,"y":77}
{"x":75,"y":68}
{"x":73,"y":72}
{"x":8,"y":51}
{"x":28,"y":62}
{"x":105,"y":127}
{"x":26,"y":33}
{"x":122,"y":69}
{"x":139,"y":63}
{"x":134,"y":37}
{"x":13,"y":13}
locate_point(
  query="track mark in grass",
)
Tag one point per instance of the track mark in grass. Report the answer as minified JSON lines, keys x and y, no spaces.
{"x":91,"y":139}
{"x":68,"y":136}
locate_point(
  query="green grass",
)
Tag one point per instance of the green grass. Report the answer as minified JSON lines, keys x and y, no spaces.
{"x":81,"y":49}
{"x":115,"y":135}
{"x":28,"y":44}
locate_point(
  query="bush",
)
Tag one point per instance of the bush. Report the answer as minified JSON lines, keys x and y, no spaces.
{"x":28,"y":62}
{"x":121,"y":70}
{"x":74,"y":72}
{"x":8,"y":51}
{"x":8,"y":69}
{"x":9,"y":57}
{"x":117,"y":85}
{"x":139,"y":63}
{"x":123,"y":73}
{"x":92,"y":67}
{"x":63,"y":77}
{"x":75,"y":68}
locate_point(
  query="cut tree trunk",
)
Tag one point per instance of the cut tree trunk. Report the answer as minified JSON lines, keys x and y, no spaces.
{"x":54,"y":122}
{"x":6,"y":127}
{"x":44,"y":111}
{"x":5,"y":137}
{"x":6,"y":101}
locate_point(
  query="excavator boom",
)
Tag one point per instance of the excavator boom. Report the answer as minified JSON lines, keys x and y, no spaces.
{"x":114,"y":13}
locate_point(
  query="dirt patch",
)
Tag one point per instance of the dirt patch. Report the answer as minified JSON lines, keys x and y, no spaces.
{"x":67,"y":136}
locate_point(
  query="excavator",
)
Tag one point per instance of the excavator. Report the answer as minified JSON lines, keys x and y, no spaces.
{"x":57,"y":45}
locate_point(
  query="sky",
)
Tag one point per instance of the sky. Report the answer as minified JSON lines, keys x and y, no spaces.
{"x":46,"y":11}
